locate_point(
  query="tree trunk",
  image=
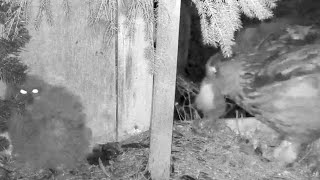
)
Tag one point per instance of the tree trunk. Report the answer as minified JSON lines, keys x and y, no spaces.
{"x":164,"y":89}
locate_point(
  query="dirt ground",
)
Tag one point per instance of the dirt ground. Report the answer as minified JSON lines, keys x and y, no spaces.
{"x":222,"y":156}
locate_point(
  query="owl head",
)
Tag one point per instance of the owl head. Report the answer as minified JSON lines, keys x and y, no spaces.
{"x":26,"y":92}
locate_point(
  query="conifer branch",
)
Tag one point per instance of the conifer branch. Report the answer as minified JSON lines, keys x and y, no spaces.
{"x":219,"y":19}
{"x":44,"y":9}
{"x":15,"y":36}
{"x":12,"y":70}
{"x":104,"y":12}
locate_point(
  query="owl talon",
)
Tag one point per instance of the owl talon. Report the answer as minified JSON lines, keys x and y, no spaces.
{"x":197,"y":127}
{"x":206,"y":127}
{"x":313,"y":163}
{"x":314,"y":167}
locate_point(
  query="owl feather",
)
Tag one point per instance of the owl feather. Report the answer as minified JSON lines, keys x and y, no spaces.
{"x":48,"y":127}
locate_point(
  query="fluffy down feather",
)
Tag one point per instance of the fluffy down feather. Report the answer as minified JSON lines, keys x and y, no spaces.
{"x":47,"y":127}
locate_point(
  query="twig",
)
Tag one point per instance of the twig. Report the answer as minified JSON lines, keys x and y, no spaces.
{"x":263,"y":41}
{"x":104,"y":169}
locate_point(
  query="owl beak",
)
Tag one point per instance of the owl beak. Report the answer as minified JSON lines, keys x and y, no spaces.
{"x":29,"y":99}
{"x":32,"y":99}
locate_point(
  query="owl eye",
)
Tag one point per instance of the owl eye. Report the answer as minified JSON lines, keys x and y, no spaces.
{"x":213,"y":69}
{"x":35,"y":91}
{"x":22,"y":91}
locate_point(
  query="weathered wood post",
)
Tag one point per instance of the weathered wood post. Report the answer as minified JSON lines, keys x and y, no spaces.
{"x":113,"y":81}
{"x":68,"y":51}
{"x":164,"y":89}
{"x":134,"y":76}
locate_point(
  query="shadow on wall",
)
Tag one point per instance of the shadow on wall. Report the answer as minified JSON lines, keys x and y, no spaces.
{"x":47,"y":126}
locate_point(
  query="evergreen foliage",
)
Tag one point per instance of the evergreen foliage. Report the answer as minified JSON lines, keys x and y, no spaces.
{"x":221,"y":18}
{"x":104,"y":12}
{"x":14,"y":38}
{"x":145,"y":8}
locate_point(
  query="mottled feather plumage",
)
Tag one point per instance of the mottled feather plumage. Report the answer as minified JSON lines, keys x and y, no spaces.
{"x":280,"y":85}
{"x":280,"y":90}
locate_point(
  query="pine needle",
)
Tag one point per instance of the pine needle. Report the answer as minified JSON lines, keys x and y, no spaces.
{"x":221,"y":18}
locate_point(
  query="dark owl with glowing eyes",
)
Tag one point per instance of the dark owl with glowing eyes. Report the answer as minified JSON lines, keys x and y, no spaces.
{"x":47,"y":126}
{"x":27,"y":92}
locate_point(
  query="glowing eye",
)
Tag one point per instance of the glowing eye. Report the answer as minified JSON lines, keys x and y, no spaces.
{"x":35,"y":91}
{"x":23,"y":91}
{"x":213,"y":69}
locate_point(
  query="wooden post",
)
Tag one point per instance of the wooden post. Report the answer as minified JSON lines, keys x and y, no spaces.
{"x":69,"y":53}
{"x":164,"y":89}
{"x":134,"y":77}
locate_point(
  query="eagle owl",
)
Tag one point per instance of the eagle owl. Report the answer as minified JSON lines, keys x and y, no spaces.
{"x":280,"y":90}
{"x":47,"y":125}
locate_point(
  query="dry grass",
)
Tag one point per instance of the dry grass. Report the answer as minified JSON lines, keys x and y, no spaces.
{"x":222,"y":156}
{"x":186,"y":92}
